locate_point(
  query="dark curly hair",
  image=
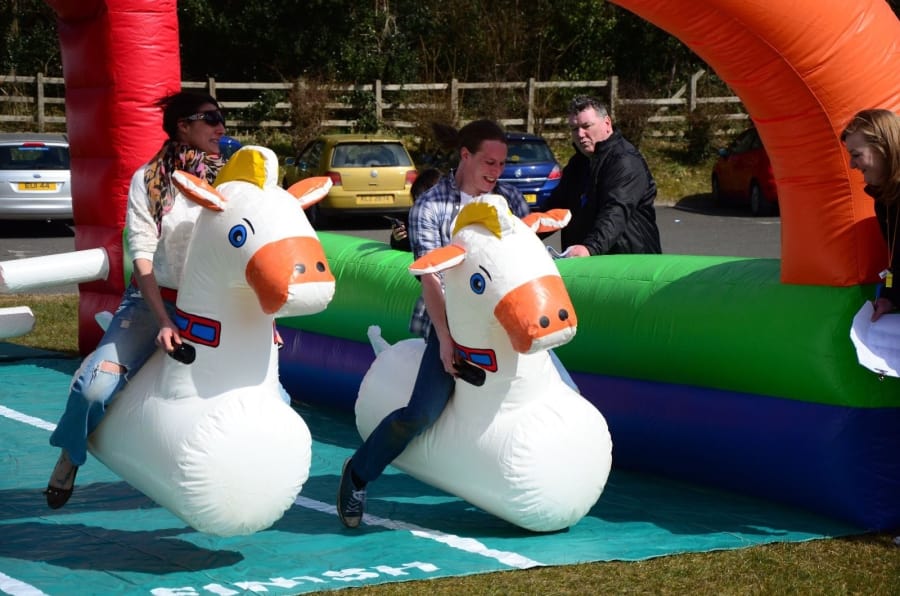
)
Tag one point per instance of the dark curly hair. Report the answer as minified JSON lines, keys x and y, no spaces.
{"x":181,"y":104}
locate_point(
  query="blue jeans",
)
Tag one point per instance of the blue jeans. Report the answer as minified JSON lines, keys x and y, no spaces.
{"x":430,"y":395}
{"x":129,"y":341}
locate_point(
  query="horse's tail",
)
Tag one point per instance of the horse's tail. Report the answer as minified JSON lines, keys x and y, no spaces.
{"x":379,"y":344}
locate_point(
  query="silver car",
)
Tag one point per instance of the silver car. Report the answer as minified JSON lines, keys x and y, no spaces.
{"x":34,"y":177}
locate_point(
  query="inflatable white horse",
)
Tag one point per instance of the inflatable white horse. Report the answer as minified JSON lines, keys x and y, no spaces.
{"x":524,"y":446}
{"x":212,"y":441}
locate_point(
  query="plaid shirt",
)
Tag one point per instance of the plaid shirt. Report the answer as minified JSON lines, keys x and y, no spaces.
{"x":430,"y":222}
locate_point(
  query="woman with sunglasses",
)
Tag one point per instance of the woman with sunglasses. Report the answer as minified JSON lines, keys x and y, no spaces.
{"x":159,"y":223}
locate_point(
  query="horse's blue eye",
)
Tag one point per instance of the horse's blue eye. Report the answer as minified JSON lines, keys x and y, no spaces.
{"x":237,"y":235}
{"x":476,"y":282}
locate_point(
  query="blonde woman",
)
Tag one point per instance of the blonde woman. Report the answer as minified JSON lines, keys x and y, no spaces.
{"x":872,"y":139}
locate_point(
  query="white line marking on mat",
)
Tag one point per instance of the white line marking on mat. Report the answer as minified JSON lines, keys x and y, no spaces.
{"x":10,"y":585}
{"x":469,"y":545}
{"x":20,"y":417}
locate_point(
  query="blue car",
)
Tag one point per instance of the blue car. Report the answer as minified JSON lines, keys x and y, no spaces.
{"x":228,"y":145}
{"x":531,"y":167}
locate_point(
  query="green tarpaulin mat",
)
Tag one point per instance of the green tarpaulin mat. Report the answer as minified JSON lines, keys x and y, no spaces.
{"x":110,"y":539}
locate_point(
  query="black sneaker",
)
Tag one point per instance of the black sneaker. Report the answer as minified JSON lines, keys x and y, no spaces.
{"x":351,"y":502}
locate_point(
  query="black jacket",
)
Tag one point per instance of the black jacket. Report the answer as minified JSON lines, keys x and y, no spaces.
{"x":611,"y":198}
{"x":889,"y":222}
{"x":568,"y":194}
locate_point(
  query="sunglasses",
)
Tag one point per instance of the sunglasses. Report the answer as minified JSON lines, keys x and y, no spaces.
{"x":211,"y":117}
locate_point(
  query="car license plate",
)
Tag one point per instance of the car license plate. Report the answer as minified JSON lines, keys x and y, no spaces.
{"x":375,"y":200}
{"x":37,"y":185}
{"x":531,"y":198}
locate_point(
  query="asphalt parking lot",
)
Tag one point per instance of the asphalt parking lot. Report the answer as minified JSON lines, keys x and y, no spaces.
{"x":693,"y":226}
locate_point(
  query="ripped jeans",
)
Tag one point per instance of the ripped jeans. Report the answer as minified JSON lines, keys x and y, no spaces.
{"x":129,"y":341}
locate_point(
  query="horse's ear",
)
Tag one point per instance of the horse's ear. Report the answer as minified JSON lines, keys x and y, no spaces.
{"x":248,"y":164}
{"x":311,"y":190}
{"x":438,"y":259}
{"x":548,"y":221}
{"x":198,"y":190}
{"x":490,"y":211}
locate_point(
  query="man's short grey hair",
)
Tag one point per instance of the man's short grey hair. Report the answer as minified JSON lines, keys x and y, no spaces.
{"x":583,"y":102}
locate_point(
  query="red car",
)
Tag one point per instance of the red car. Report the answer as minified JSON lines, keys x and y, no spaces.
{"x":743,"y":174}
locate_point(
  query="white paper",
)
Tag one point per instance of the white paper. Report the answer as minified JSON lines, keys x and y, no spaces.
{"x":556,"y":254}
{"x":877,"y":344}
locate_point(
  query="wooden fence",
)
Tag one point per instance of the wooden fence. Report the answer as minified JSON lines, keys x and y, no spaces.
{"x":38,"y":103}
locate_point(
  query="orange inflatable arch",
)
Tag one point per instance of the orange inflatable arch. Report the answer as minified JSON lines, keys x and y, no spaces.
{"x":801,"y":68}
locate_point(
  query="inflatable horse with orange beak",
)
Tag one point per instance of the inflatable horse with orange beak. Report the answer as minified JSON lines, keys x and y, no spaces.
{"x":524,"y":445}
{"x":212,"y":440}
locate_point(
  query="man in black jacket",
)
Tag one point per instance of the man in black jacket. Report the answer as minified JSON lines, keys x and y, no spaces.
{"x":608,"y":188}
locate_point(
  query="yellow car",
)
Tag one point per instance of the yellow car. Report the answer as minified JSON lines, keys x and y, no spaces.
{"x":372,"y":174}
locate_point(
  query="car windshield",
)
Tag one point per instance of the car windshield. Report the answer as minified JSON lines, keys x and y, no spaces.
{"x":34,"y":156}
{"x":528,"y":152}
{"x":359,"y":155}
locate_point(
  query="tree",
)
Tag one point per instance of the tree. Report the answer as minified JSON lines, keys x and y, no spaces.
{"x":647,"y":57}
{"x":263,"y":41}
{"x":393,"y":40}
{"x":30,"y":42}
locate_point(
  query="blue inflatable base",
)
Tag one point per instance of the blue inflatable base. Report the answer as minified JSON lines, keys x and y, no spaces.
{"x":837,"y":461}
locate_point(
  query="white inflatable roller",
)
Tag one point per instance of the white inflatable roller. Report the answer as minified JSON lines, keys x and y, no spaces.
{"x":34,"y":273}
{"x":212,"y":440}
{"x":15,"y":321}
{"x":523,"y":446}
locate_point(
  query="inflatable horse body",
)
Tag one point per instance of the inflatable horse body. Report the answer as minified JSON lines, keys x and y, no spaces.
{"x":524,"y":446}
{"x":212,"y":441}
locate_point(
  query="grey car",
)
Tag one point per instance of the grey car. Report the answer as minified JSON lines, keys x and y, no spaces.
{"x":35,"y":181}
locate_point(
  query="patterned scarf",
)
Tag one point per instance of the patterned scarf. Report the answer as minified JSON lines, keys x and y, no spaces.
{"x":158,"y":175}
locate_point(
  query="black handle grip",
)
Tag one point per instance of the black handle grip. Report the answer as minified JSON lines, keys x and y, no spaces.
{"x":470,"y":373}
{"x":184,"y":353}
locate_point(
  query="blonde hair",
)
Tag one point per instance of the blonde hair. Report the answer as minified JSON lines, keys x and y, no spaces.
{"x":881,"y":130}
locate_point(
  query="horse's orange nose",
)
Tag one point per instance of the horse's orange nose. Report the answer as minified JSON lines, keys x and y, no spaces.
{"x":534,"y":310}
{"x":283,"y":263}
